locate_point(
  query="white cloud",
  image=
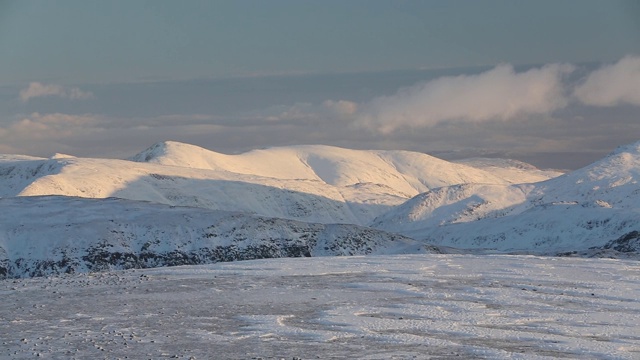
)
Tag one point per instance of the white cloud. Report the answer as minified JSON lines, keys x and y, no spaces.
{"x":36,"y":89}
{"x":612,"y":85}
{"x":42,"y":134}
{"x":303,"y":112}
{"x":44,"y":126}
{"x":341,"y":107}
{"x":497,"y":94}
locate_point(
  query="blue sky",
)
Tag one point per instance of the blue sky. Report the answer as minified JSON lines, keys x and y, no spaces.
{"x":107,"y":78}
{"x":80,"y":41}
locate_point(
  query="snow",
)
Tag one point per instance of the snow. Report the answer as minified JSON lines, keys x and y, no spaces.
{"x":47,"y":235}
{"x":406,"y":172}
{"x":511,"y":170}
{"x":614,"y":179}
{"x":584,"y":209}
{"x":452,"y":204}
{"x":463,"y":206}
{"x":179,"y":204}
{"x":312,"y":183}
{"x":374,"y":307}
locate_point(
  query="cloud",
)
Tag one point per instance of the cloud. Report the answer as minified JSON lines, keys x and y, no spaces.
{"x":532,"y":114}
{"x":49,"y":126}
{"x":341,"y":107}
{"x":36,"y":89}
{"x":497,"y":94}
{"x":612,"y":85}
{"x":304,"y":113}
{"x":42,"y":134}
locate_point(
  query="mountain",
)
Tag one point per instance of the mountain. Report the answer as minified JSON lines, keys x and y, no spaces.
{"x":453,"y":204}
{"x":513,"y":171}
{"x":58,"y":234}
{"x":610,"y":182}
{"x":595,"y":208}
{"x":176,"y":203}
{"x":406,"y":172}
{"x":310,"y":183}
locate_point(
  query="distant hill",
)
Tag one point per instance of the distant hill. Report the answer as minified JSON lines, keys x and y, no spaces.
{"x":587,"y":208}
{"x":178,"y":204}
{"x":310,"y":183}
{"x":57,"y":234}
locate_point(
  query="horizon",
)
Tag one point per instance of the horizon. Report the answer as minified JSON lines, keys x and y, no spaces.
{"x":453,"y":80}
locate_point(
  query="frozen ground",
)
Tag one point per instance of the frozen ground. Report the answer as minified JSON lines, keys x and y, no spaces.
{"x":378,"y":307}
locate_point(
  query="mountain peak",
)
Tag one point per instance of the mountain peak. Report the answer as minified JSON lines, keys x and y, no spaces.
{"x":633,"y":149}
{"x":173,"y":153}
{"x":61,"y":156}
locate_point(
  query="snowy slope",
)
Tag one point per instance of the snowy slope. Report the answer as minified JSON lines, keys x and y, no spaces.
{"x":308,"y":200}
{"x":453,"y":204}
{"x":310,"y":183}
{"x":548,"y":229}
{"x":52,"y":234}
{"x":589,"y":207}
{"x":594,"y":207}
{"x":407,"y":172}
{"x":513,"y":171}
{"x":611,"y":182}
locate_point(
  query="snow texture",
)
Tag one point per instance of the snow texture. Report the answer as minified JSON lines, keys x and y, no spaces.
{"x":374,"y":307}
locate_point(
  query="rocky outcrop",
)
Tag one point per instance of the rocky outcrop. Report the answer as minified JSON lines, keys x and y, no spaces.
{"x":628,"y":243}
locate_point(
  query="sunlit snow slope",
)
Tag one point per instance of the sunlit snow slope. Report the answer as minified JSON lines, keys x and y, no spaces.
{"x":406,"y":172}
{"x":511,"y":170}
{"x":583,"y":209}
{"x":310,"y":183}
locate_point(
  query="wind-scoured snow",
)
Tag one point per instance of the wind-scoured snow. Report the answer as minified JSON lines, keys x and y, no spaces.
{"x":374,"y":307}
{"x":587,"y":208}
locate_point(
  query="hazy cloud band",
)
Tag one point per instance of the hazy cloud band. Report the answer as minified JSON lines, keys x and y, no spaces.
{"x":36,"y":89}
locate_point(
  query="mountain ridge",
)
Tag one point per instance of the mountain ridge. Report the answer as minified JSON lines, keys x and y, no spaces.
{"x":327,"y":184}
{"x":330,"y":201}
{"x":50,"y":235}
{"x":583,"y":209}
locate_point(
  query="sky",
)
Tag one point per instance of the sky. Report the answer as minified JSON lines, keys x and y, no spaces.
{"x":554,"y":83}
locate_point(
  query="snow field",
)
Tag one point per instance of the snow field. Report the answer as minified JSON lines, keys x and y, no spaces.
{"x":375,"y":307}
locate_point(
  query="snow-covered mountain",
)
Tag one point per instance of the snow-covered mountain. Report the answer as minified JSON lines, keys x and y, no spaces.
{"x":309,"y":183}
{"x":406,"y":172}
{"x":592,"y":207}
{"x":454,"y":204}
{"x":511,"y":170}
{"x":56,"y":234}
{"x":122,"y":213}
